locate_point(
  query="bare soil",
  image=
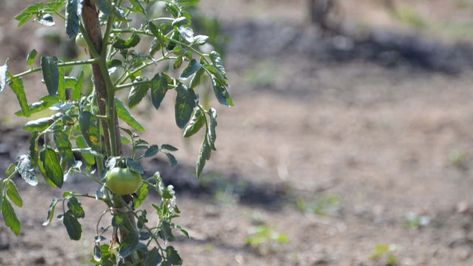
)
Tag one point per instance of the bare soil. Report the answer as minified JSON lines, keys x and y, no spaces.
{"x":378,"y":155}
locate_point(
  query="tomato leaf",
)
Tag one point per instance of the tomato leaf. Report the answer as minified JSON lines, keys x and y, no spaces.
{"x":38,"y":125}
{"x":52,"y":169}
{"x":166,"y":232}
{"x":178,"y":62}
{"x":43,"y":104}
{"x":168,"y":147}
{"x":172,"y":256}
{"x":64,"y":147}
{"x":137,"y":6}
{"x":185,"y":103}
{"x":137,"y":93}
{"x":73,"y":11}
{"x":104,"y":6}
{"x":97,"y":254}
{"x":127,"y":117}
{"x":12,"y":193}
{"x":180,"y":21}
{"x":142,"y":194}
{"x":159,"y":87}
{"x":212,"y":135}
{"x":75,"y":207}
{"x":135,"y":166}
{"x":50,"y":69}
{"x":183,"y":231}
{"x":196,"y":123}
{"x":31,"y":57}
{"x":10,"y":218}
{"x":204,"y":156}
{"x":88,"y":127}
{"x":29,"y":13}
{"x":37,"y":10}
{"x":51,"y":211}
{"x":26,"y":170}
{"x":172,"y":159}
{"x":17,"y":86}
{"x":128,"y":43}
{"x":157,"y":33}
{"x":152,"y":151}
{"x":201,"y":39}
{"x":208,"y":143}
{"x":196,"y":80}
{"x":221,"y":92}
{"x":3,"y":77}
{"x":73,"y":227}
{"x":153,"y":257}
{"x":186,"y":33}
{"x":86,"y":155}
{"x":218,"y":62}
{"x":77,"y":89}
{"x":191,"y":69}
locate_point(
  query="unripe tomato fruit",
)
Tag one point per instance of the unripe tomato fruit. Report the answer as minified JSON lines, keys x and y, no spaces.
{"x":122,"y":181}
{"x":80,"y":41}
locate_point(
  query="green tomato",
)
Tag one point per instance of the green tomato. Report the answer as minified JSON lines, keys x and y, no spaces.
{"x":80,"y":41}
{"x":123,"y":181}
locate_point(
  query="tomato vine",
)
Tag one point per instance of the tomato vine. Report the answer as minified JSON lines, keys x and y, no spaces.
{"x":150,"y":53}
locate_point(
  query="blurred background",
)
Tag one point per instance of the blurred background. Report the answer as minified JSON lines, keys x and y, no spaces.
{"x":350,"y":143}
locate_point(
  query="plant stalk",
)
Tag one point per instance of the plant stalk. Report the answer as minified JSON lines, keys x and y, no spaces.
{"x":104,"y":89}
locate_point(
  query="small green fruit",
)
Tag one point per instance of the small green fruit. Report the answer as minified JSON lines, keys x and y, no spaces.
{"x":123,"y":181}
{"x":80,"y":41}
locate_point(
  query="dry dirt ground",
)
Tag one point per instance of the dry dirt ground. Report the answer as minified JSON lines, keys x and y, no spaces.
{"x":340,"y":158}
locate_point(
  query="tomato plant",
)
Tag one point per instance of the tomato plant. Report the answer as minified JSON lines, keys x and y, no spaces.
{"x":145,"y":47}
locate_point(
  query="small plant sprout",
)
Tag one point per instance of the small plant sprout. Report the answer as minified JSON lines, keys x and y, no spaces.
{"x":262,"y":239}
{"x":384,"y":253}
{"x":326,"y":205}
{"x":415,"y":221}
{"x":140,"y":49}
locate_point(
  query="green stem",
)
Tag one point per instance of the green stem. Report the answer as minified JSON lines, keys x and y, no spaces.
{"x":107,"y":35}
{"x":132,"y":84}
{"x":112,"y":119}
{"x":90,"y":43}
{"x":100,"y":164}
{"x":60,"y":15}
{"x":98,"y":159}
{"x":163,"y":19}
{"x":111,"y":116}
{"x":98,"y":44}
{"x":86,"y":196}
{"x":124,"y":77}
{"x":143,"y":32}
{"x":99,"y":220}
{"x":10,"y":176}
{"x":93,"y":178}
{"x":65,"y":64}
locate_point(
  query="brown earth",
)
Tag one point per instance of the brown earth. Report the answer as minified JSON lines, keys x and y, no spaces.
{"x":378,"y":156}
